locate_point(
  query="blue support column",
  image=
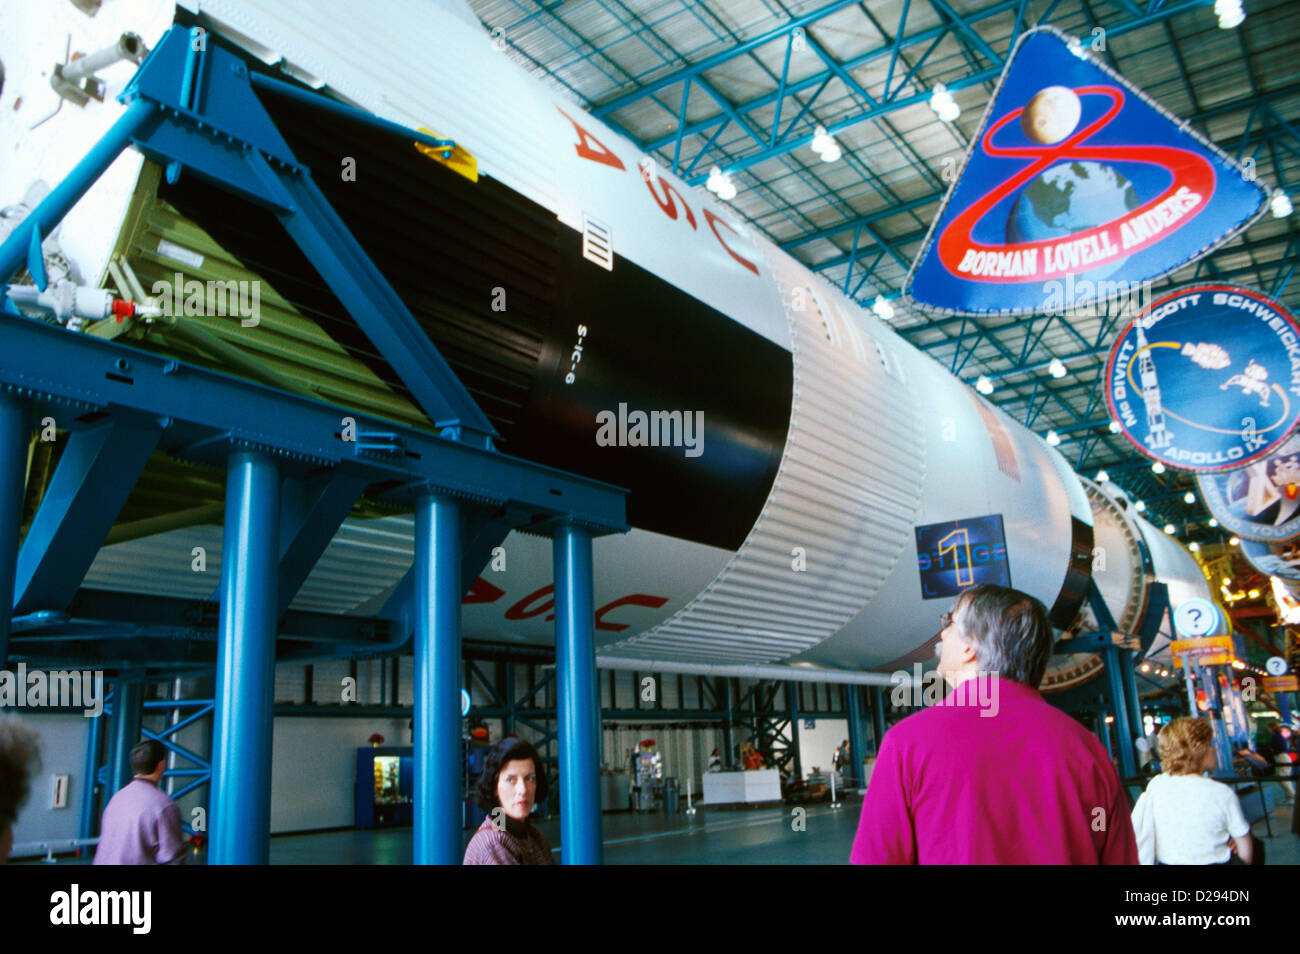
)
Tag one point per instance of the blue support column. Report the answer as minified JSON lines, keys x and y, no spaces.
{"x":1119,"y":709}
{"x":728,"y":743}
{"x":124,"y":731}
{"x":438,"y":807}
{"x":1126,"y":660}
{"x":857,"y":737}
{"x":86,"y":826}
{"x":13,"y":481}
{"x":878,"y":715}
{"x":240,"y":819}
{"x":579,"y":700}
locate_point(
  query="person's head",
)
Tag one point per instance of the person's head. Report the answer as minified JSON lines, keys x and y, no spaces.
{"x":19,"y":758}
{"x":995,"y":629}
{"x":148,"y":759}
{"x":1187,"y":746}
{"x":513,"y":779}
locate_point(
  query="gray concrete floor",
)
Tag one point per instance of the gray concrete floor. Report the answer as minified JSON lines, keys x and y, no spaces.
{"x":754,"y":836}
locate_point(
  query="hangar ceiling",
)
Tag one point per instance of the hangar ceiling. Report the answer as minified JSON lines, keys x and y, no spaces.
{"x":742,"y":85}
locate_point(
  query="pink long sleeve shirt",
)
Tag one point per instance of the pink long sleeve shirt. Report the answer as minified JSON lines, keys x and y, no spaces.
{"x":1012,"y":781}
{"x":141,"y":826}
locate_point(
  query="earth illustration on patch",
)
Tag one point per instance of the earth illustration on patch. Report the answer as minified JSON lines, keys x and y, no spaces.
{"x":1068,"y":198}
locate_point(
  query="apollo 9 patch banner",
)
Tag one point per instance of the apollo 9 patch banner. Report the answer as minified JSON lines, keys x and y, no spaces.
{"x":1207,"y":378}
{"x":1077,"y":188}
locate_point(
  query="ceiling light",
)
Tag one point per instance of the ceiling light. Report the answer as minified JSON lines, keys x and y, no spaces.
{"x":1113,"y":427}
{"x":1053,"y":438}
{"x":1140,"y":506}
{"x":1281,"y":205}
{"x":1234,"y":541}
{"x":944,"y":106}
{"x":1253,"y":594}
{"x":1146,"y":667}
{"x":1102,"y":476}
{"x":1229,"y":13}
{"x":983,"y":385}
{"x":1057,"y":368}
{"x":1109,"y":719}
{"x":1194,"y":546}
{"x":1213,"y":522}
{"x":720,"y":184}
{"x":1170,"y":529}
{"x":1157,"y":468}
{"x":884,"y":311}
{"x":824,"y":144}
{"x":1189,"y":497}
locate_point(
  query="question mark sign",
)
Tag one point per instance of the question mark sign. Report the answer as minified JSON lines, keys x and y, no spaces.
{"x":1195,"y":613}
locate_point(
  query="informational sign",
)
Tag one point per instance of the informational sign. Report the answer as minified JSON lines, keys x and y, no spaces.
{"x":1274,"y":559}
{"x":1262,"y":500}
{"x":1276,"y":666}
{"x":1196,"y":617}
{"x":960,"y":553}
{"x":1075,"y":185}
{"x":1207,"y":651}
{"x":1207,"y":378}
{"x":1280,"y":683}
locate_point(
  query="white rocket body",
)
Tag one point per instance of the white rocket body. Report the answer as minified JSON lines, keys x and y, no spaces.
{"x":881,"y":439}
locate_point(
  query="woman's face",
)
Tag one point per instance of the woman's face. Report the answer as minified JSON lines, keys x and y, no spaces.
{"x":517,"y":787}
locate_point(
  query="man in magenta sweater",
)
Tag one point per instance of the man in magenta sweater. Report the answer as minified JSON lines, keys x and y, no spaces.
{"x":993,"y":774}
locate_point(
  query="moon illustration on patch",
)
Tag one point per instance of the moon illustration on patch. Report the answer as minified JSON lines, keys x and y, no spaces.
{"x":1051,"y":115}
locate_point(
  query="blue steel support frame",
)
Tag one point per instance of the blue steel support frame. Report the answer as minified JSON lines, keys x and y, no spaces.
{"x":438,"y":758}
{"x":857,"y":735}
{"x":90,"y":776}
{"x":13,"y":479}
{"x":240,"y":819}
{"x":579,"y":697}
{"x":124,"y":730}
{"x":98,"y":468}
{"x":878,"y":715}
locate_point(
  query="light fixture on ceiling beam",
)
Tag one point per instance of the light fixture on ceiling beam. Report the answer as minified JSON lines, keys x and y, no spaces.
{"x":944,"y":106}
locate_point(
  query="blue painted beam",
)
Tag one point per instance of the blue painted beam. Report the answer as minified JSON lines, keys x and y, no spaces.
{"x":124,"y":731}
{"x":240,"y":819}
{"x":14,"y":421}
{"x":579,"y":698}
{"x":438,"y":812}
{"x":310,"y":515}
{"x":703,"y":66}
{"x":96,"y":473}
{"x":89,"y":778}
{"x":207,"y":409}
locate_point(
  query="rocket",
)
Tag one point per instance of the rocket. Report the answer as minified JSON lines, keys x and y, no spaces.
{"x":807,"y":489}
{"x":1158,"y":435}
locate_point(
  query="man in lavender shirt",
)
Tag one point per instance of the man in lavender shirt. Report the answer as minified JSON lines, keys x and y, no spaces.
{"x":994,"y":774}
{"x":141,"y":825}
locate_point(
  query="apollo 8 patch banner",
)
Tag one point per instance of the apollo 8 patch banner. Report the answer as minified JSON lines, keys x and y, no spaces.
{"x":1207,"y":378}
{"x":1077,"y":188}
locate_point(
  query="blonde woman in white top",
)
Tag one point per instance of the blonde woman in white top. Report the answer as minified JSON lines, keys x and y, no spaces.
{"x":1184,"y":818}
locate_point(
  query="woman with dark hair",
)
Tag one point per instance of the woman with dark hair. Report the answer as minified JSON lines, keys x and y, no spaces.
{"x":512,"y":780}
